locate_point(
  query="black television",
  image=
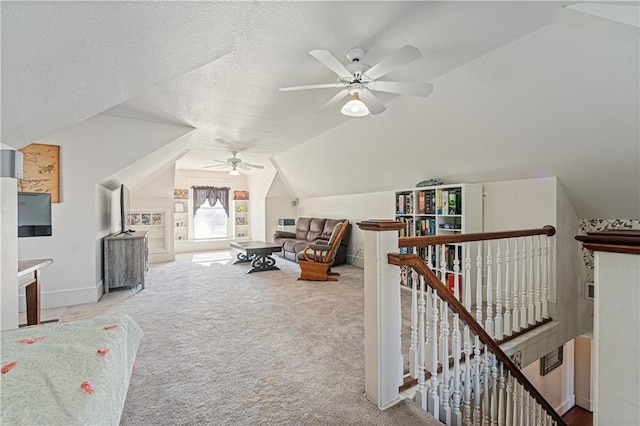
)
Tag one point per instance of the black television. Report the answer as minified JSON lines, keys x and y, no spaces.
{"x":34,"y":214}
{"x":124,"y":209}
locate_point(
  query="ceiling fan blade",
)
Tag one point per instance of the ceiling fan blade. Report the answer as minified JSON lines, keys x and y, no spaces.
{"x":330,"y":61}
{"x":403,"y":56}
{"x":243,"y":166}
{"x":217,"y":166}
{"x":334,"y":101}
{"x":255,"y":166}
{"x":402,"y":88}
{"x":374,"y":105}
{"x":313,"y":86}
{"x":220,"y":161}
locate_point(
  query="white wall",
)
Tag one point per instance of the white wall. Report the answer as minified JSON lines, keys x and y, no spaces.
{"x":103,"y":199}
{"x":9,"y":252}
{"x":90,"y":152}
{"x":279,"y":204}
{"x":355,"y":207}
{"x":616,"y":342}
{"x":557,"y":386}
{"x":157,"y":195}
{"x":583,"y":379}
{"x":259,"y":184}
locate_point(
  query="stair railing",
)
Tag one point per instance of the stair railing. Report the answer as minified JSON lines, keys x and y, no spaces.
{"x":462,"y":378}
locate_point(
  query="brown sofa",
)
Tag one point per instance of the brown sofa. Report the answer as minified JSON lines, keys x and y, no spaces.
{"x":308,"y":230}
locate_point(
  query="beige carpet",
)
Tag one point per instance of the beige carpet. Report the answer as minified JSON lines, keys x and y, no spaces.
{"x":224,"y":347}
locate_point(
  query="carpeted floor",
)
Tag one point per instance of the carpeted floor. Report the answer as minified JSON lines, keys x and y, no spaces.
{"x":226,"y":348}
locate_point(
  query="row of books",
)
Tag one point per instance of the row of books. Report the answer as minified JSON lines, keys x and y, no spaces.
{"x":404,"y":203}
{"x":426,"y":227}
{"x":427,"y":202}
{"x":449,"y":201}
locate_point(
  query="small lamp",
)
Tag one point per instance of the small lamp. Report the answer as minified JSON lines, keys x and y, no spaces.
{"x":355,"y":107}
{"x":234,"y":172}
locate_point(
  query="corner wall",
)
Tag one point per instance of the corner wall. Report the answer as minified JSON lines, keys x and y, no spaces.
{"x":8,"y":253}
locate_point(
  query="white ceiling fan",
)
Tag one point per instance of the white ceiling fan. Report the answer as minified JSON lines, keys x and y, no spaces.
{"x":235,"y":163}
{"x":359,"y":80}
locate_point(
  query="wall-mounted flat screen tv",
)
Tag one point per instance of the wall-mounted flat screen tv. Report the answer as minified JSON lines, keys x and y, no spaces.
{"x":34,"y":214}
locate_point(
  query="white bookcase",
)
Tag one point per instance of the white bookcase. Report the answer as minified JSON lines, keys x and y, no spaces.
{"x":154,"y":223}
{"x":424,"y":212}
{"x":180,"y":219}
{"x":241,"y":228}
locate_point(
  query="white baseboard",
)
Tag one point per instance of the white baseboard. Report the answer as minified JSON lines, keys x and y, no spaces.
{"x":355,"y":261}
{"x":563,"y":408}
{"x":60,"y":298}
{"x":583,"y":402}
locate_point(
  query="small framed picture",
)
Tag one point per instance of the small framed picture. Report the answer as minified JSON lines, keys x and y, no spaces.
{"x":179,"y":207}
{"x":551,"y":361}
{"x":156,"y":219}
{"x":146,"y":218}
{"x":134,"y":219}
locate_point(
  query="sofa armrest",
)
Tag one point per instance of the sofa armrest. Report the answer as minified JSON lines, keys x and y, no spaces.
{"x":284,"y":234}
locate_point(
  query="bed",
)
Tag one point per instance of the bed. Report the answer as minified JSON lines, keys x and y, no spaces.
{"x":68,"y":373}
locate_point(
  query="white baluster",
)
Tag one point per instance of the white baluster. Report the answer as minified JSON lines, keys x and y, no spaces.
{"x":524,"y":406}
{"x":538,"y":280}
{"x":456,"y":414}
{"x":523,"y":285}
{"x":503,"y":409}
{"x":434,"y":400}
{"x":516,"y":293}
{"x":528,"y":415}
{"x":468,"y":345}
{"x":545,"y":285}
{"x":507,"y":292}
{"x":499,"y":334}
{"x":516,"y":402}
{"x":457,"y":278}
{"x":479,"y":283}
{"x":467,"y":377}
{"x":531,"y":308}
{"x":494,"y":392}
{"x":421,"y":393}
{"x":476,"y":381}
{"x":445,"y":414}
{"x":486,"y":379}
{"x":413,"y":348}
{"x":489,"y":324}
{"x":429,"y":328}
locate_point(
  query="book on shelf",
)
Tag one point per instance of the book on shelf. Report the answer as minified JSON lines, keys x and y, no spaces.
{"x":439,"y":202}
{"x":445,"y":202}
{"x":422,"y":198}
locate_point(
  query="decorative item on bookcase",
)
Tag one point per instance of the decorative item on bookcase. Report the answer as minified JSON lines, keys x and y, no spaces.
{"x":241,"y":220}
{"x":240,"y":195}
{"x":181,"y":194}
{"x":451,"y":283}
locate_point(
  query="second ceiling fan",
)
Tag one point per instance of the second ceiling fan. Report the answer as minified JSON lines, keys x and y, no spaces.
{"x":359,"y":80}
{"x":235,"y":163}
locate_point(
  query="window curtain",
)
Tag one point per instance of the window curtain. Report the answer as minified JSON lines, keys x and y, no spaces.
{"x":213,"y":194}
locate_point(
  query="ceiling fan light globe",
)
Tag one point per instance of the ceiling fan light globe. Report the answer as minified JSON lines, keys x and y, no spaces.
{"x":234,"y":172}
{"x":355,"y":108}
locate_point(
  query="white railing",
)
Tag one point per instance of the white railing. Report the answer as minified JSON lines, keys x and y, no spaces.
{"x":462,"y":375}
{"x":504,"y":281}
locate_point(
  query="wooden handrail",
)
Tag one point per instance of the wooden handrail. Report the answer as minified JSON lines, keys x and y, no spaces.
{"x":618,"y":241}
{"x":431,"y":240}
{"x":414,"y":261}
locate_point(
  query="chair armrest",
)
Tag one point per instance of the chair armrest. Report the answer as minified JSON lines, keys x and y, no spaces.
{"x":321,"y":241}
{"x":319,"y":247}
{"x":284,"y":234}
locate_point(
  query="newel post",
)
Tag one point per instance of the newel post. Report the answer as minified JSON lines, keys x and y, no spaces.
{"x":382,"y":316}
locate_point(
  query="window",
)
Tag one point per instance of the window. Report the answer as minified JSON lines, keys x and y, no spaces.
{"x":210,"y":221}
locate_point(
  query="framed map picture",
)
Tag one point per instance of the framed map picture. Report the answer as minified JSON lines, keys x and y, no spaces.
{"x":41,"y":170}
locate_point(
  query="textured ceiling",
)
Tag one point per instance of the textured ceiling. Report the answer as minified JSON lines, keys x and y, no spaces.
{"x":522,"y":89}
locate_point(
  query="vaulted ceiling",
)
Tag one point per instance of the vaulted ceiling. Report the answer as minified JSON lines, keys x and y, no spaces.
{"x":522,"y":89}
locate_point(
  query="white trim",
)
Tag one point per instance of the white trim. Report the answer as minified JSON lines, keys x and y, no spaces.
{"x":569,"y":403}
{"x":61,"y":298}
{"x":583,"y":402}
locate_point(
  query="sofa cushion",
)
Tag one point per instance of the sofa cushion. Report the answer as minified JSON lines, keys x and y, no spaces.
{"x":329,"y":225}
{"x":294,"y":246}
{"x":302,"y":227}
{"x":315,"y":229}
